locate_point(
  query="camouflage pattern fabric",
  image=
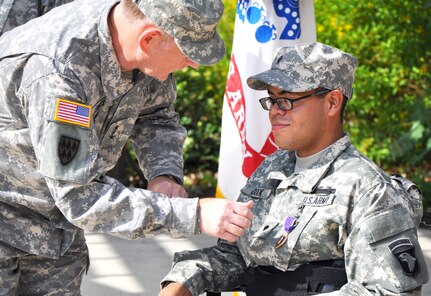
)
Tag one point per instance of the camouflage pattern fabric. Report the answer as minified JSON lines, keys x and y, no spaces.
{"x":53,"y":162}
{"x":307,"y":66}
{"x":14,"y":13}
{"x":38,"y":275}
{"x":192,"y":24}
{"x":346,"y":208}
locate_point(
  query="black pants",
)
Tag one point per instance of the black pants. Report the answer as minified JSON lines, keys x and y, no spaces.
{"x":308,"y":279}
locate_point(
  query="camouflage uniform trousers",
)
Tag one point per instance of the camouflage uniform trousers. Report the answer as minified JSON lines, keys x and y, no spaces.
{"x":26,"y":274}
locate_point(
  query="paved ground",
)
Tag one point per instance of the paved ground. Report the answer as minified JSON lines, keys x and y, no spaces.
{"x":123,"y":268}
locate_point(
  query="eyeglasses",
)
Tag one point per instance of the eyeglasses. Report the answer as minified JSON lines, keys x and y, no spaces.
{"x":285,"y":103}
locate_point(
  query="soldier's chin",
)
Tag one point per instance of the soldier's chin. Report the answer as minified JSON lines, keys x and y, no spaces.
{"x":155,"y":75}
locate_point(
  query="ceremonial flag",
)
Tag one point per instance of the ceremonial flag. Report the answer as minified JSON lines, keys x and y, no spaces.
{"x":261,"y":27}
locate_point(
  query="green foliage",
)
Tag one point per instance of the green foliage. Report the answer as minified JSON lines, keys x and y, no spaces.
{"x":200,"y":101}
{"x":201,"y":184}
{"x":389,"y":118}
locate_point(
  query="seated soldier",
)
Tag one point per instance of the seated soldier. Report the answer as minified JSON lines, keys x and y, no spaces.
{"x":320,"y":206}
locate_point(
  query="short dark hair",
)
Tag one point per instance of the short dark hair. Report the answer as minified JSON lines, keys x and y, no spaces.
{"x":343,"y":107}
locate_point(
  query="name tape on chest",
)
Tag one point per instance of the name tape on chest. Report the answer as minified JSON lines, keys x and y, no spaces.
{"x":257,"y":192}
{"x":319,"y":200}
{"x":72,"y":113}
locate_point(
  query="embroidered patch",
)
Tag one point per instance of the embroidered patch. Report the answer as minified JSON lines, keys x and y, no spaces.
{"x":73,"y":113}
{"x":319,"y":200}
{"x":67,"y":149}
{"x":257,"y":192}
{"x":320,"y":197}
{"x":404,"y":252}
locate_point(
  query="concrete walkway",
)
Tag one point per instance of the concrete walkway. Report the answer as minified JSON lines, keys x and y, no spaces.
{"x":123,"y":268}
{"x":120,"y":268}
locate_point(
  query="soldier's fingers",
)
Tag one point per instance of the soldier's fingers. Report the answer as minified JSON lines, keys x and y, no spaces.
{"x":243,"y":209}
{"x":249,"y":204}
{"x":234,"y":229}
{"x":229,"y":237}
{"x":240,"y":221}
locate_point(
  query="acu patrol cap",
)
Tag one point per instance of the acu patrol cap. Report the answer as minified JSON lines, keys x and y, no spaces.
{"x":307,"y":66}
{"x":192,"y":24}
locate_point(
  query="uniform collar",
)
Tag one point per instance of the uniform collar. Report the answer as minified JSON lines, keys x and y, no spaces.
{"x":114,"y":81}
{"x":308,"y":180}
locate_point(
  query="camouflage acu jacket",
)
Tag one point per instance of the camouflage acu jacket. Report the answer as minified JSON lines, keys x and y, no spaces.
{"x":345,"y":208}
{"x":14,"y":13}
{"x":66,"y":111}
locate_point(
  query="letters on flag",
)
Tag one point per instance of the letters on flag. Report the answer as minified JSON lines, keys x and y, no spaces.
{"x":261,"y":27}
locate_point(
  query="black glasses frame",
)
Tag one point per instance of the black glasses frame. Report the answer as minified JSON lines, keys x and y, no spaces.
{"x":267,"y":102}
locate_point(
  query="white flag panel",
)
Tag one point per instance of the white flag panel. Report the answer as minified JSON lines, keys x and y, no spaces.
{"x":261,"y":27}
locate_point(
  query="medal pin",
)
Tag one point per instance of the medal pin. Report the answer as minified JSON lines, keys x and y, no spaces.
{"x":289,"y":225}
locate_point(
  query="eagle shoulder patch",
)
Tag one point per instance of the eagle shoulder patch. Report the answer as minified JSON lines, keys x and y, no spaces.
{"x":404,"y":252}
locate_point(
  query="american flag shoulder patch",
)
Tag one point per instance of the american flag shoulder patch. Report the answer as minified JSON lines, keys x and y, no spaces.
{"x":73,"y":113}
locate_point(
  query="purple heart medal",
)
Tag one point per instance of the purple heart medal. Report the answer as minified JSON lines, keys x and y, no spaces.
{"x":289,"y":225}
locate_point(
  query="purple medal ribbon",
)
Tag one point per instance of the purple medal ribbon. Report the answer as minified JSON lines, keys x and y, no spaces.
{"x":289,"y":225}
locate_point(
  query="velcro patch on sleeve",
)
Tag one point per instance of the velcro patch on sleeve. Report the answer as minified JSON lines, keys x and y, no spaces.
{"x":73,"y":113}
{"x":404,"y":252}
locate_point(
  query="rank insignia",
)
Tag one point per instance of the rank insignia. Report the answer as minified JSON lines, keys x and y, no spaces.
{"x":73,"y":113}
{"x":404,"y":252}
{"x":67,"y":149}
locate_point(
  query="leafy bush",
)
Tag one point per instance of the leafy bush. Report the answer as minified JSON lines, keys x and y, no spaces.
{"x":389,"y":118}
{"x":200,"y":102}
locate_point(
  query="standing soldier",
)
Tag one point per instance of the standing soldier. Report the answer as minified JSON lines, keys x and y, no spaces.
{"x":75,"y":85}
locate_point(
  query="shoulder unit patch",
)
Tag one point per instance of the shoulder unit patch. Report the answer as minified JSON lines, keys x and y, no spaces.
{"x":404,"y":252}
{"x":67,"y":149}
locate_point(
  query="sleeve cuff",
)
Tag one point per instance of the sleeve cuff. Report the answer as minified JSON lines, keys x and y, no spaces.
{"x":184,"y":217}
{"x":189,"y":274}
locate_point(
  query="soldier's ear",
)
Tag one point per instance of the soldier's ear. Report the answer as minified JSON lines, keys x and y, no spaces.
{"x":335,"y":102}
{"x":149,"y":36}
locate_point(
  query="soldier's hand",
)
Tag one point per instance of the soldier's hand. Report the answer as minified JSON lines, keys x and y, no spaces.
{"x":175,"y":289}
{"x":224,"y":218}
{"x":167,"y":186}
